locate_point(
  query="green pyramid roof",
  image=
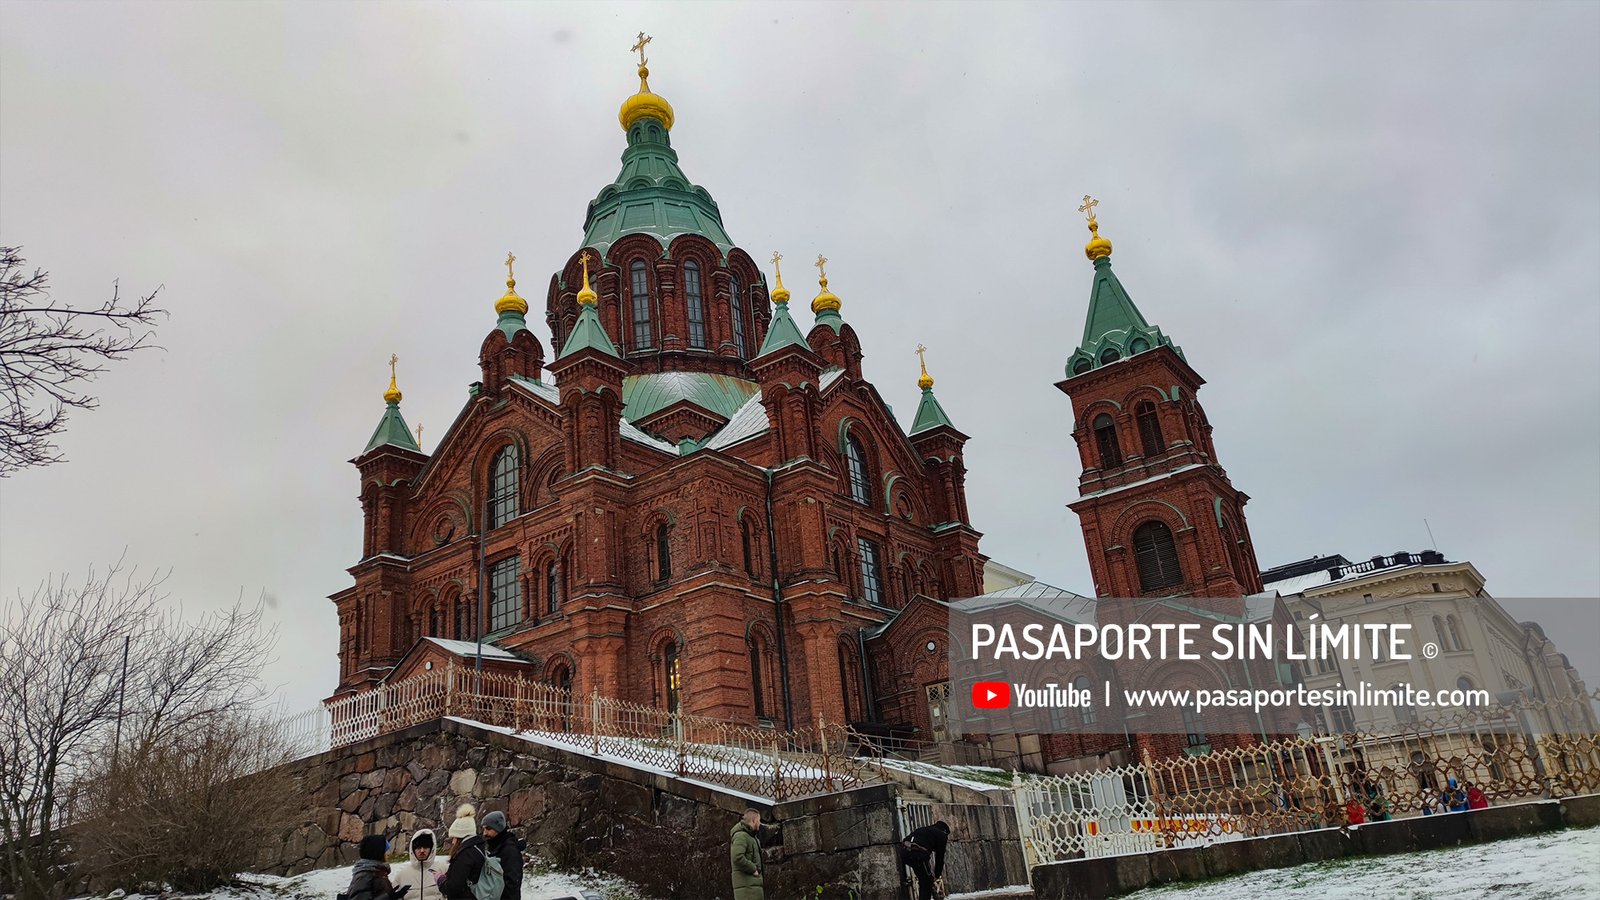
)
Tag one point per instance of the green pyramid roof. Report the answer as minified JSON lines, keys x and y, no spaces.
{"x":392,"y":432}
{"x":1114,"y":327}
{"x":929,"y":414}
{"x":652,"y":196}
{"x":782,"y":332}
{"x":587,"y":332}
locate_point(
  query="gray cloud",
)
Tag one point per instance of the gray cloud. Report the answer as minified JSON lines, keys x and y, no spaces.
{"x":1374,"y":229}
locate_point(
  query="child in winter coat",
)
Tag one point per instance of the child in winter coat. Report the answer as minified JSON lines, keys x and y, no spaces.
{"x":420,"y":867}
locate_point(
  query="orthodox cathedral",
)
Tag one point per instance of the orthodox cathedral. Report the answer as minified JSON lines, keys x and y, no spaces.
{"x":688,"y":501}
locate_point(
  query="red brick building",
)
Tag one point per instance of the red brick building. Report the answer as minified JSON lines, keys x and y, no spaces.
{"x":688,"y":503}
{"x":684,"y":502}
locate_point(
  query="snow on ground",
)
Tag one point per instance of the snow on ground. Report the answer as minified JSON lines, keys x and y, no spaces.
{"x":1559,"y":865}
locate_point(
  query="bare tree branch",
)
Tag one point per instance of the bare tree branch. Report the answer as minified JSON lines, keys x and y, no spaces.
{"x":48,"y":351}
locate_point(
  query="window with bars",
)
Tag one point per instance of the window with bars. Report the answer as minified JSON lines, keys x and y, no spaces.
{"x":871,"y":572}
{"x":503,"y":487}
{"x":505,"y":594}
{"x":640,"y":277}
{"x":736,"y":309}
{"x":1105,"y":439}
{"x":1149,"y":429}
{"x":860,"y":476}
{"x":1156,"y":556}
{"x":695,"y":299}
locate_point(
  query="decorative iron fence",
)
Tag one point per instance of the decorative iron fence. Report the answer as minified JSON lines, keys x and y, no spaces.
{"x":761,"y":762}
{"x":1484,"y":756}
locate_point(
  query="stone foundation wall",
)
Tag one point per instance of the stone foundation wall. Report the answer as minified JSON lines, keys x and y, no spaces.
{"x":669,"y":836}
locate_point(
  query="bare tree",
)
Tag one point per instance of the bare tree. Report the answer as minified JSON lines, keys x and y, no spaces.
{"x":48,"y":351}
{"x":98,"y":676}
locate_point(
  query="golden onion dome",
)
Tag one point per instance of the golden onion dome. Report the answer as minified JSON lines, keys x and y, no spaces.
{"x":780,"y":294}
{"x":1098,"y":247}
{"x":509,"y":302}
{"x":926,"y":381}
{"x":645,"y":105}
{"x":825,"y":300}
{"x":392,"y":395}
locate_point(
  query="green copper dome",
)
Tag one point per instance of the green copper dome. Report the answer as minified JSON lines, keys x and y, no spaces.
{"x":652,"y":196}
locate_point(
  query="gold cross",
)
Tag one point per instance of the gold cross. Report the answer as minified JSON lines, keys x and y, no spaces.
{"x":921,"y":359}
{"x":392,"y":360}
{"x":643,"y":39}
{"x":584,"y":258}
{"x":820,"y":263}
{"x":419,"y":435}
{"x":510,"y":258}
{"x":1089,"y":203}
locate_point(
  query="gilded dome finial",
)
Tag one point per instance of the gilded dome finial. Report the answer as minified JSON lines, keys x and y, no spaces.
{"x":587,"y":295}
{"x":825,"y":299}
{"x":644,"y":104}
{"x":509,"y":302}
{"x":780,"y":294}
{"x":392,"y":395}
{"x":1098,"y":247}
{"x":926,"y":381}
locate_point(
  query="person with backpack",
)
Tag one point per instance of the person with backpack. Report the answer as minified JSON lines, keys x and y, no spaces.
{"x":369,"y":879}
{"x":504,"y":844}
{"x":473,"y":874}
{"x":420,"y":867}
{"x":926,"y":843}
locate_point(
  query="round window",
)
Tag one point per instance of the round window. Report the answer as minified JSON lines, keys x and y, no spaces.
{"x":932,"y":646}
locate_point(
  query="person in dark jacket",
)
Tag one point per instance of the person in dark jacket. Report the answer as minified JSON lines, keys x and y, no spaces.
{"x":369,"y":879}
{"x":744,"y":852}
{"x":925,"y":845}
{"x":467,"y":856}
{"x":502,"y":842}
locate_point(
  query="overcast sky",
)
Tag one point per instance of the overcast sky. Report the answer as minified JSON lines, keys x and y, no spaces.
{"x":1375,"y":231}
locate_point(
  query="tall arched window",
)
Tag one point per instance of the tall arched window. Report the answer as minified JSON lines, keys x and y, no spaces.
{"x":1194,"y":735}
{"x":1157,"y":557}
{"x":1455,"y":633}
{"x":663,"y":552}
{"x":433,"y":622}
{"x":464,"y":624}
{"x":503,"y":487}
{"x":736,"y":311}
{"x":846,"y":682}
{"x":640,"y":278}
{"x":756,"y":689}
{"x":552,"y":588}
{"x":744,"y":541}
{"x":1149,"y":429}
{"x":1081,"y":685}
{"x":1105,"y":440}
{"x":860,"y":476}
{"x":695,"y":299}
{"x":671,"y":675}
{"x":1465,"y":684}
{"x":1439,"y":632}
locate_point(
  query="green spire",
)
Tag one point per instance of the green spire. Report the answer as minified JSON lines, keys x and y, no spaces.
{"x":929,"y":414}
{"x":587,"y":332}
{"x":1114,"y":327}
{"x":782,"y":332}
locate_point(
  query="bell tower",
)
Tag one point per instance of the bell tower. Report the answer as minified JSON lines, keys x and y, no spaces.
{"x":1159,"y":516}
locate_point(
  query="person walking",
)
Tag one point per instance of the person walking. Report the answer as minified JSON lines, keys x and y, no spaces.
{"x":420,"y":867}
{"x":467,"y":856}
{"x":920,"y":848}
{"x":745,"y":854}
{"x":1476,"y":799}
{"x":369,"y":879}
{"x":504,"y":844}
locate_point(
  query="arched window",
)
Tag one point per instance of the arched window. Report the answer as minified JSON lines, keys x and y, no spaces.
{"x":1081,"y":685}
{"x":464,"y":626}
{"x":695,"y":299}
{"x":1156,"y":556}
{"x":1105,"y":439}
{"x":871,"y":573}
{"x":1194,"y":735}
{"x":1149,"y":429}
{"x":744,"y":541}
{"x":503,"y":487}
{"x":1465,"y":684}
{"x":671,"y":674}
{"x":736,"y":310}
{"x":860,"y":476}
{"x":757,"y":687}
{"x":641,"y":305}
{"x":1439,"y":632}
{"x":552,"y":588}
{"x":906,"y":589}
{"x":505,"y":593}
{"x":1455,"y":634}
{"x":847,"y":678}
{"x":663,"y":552}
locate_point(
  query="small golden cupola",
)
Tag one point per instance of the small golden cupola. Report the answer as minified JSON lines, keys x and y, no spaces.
{"x":392,"y":395}
{"x":826,"y":299}
{"x":586,"y":294}
{"x":509,"y":302}
{"x":644,"y":105}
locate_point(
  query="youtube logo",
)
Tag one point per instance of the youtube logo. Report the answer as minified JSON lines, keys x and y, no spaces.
{"x":991,"y":695}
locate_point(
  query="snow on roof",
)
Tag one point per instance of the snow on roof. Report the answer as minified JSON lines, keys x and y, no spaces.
{"x":470,"y":648}
{"x":1142,"y":481}
{"x":746,"y":422}
{"x":828,"y":378}
{"x":633,"y":433}
{"x":544,"y":390}
{"x":1258,"y":607}
{"x":1076,"y":608}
